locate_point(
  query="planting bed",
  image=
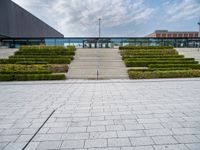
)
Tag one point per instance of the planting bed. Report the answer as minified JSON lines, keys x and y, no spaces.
{"x":37,"y":63}
{"x":161,"y":62}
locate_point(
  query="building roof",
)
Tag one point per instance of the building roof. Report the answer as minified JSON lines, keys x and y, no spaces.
{"x":16,"y":22}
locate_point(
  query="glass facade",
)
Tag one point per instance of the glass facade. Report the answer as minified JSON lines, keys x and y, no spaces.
{"x":84,"y":42}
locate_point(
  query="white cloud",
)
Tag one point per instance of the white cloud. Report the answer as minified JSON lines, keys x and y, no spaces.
{"x":181,"y":10}
{"x":80,"y":17}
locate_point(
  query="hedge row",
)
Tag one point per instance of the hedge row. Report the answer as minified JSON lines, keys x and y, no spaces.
{"x":42,"y":52}
{"x":163,"y":52}
{"x":164,"y":74}
{"x":158,"y":69}
{"x":43,"y":56}
{"x":25,"y":72}
{"x":144,"y":47}
{"x":31,"y":77}
{"x":18,"y":67}
{"x":192,"y":66}
{"x":160,"y":59}
{"x":152,"y":56}
{"x":49,"y":48}
{"x":35,"y":61}
{"x":147,"y":63}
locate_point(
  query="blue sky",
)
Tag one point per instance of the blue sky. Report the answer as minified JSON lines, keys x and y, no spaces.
{"x":119,"y":17}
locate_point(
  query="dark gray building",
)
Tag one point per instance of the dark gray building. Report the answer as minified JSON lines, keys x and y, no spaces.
{"x":16,"y":22}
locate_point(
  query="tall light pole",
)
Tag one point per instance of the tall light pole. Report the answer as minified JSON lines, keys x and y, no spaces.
{"x":99,"y":27}
{"x":199,"y":36}
{"x":199,"y":29}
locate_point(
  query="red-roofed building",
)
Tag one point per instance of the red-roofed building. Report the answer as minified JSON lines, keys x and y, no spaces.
{"x":172,"y":34}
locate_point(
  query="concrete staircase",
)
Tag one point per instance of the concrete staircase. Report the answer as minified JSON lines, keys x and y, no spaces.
{"x":97,"y":64}
{"x":190,"y":53}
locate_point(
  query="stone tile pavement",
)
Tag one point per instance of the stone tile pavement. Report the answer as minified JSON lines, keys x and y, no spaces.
{"x":98,"y":115}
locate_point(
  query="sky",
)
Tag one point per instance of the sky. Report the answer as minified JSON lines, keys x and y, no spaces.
{"x":128,"y":18}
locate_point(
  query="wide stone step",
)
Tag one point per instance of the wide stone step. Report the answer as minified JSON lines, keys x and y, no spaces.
{"x":108,"y":62}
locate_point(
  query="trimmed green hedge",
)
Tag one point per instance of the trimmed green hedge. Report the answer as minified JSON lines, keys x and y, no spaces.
{"x":49,"y":48}
{"x":164,"y":74}
{"x":36,"y":61}
{"x":31,"y":77}
{"x":160,"y":59}
{"x":25,"y":72}
{"x":149,"y":52}
{"x":19,"y":67}
{"x":45,"y":53}
{"x":6,"y":77}
{"x":192,"y":66}
{"x":34,"y":77}
{"x":43,"y":56}
{"x":145,"y":47}
{"x":152,"y":56}
{"x":147,"y":63}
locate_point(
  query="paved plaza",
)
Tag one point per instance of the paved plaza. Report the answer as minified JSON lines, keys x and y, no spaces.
{"x":112,"y":114}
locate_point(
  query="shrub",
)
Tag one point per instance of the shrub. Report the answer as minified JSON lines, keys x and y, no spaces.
{"x":152,"y":56}
{"x":164,"y":74}
{"x":158,"y":69}
{"x":34,"y":77}
{"x":6,"y":77}
{"x":37,"y":61}
{"x":145,"y":47}
{"x":25,"y":72}
{"x":149,"y":52}
{"x":43,"y":56}
{"x":19,"y":67}
{"x":160,"y":59}
{"x":192,"y":66}
{"x":147,"y":63}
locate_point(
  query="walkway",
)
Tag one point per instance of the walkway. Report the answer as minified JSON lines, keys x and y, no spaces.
{"x":97,"y":63}
{"x":190,"y":53}
{"x":114,"y":115}
{"x":5,"y":52}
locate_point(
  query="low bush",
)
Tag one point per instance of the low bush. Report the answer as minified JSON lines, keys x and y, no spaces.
{"x":147,"y":63}
{"x":192,"y":66}
{"x":34,"y":77}
{"x":158,"y":69}
{"x":30,"y":62}
{"x":59,"y":68}
{"x":6,"y":77}
{"x":160,"y":59}
{"x":149,"y":52}
{"x":25,"y":72}
{"x":44,"y":53}
{"x":43,"y":56}
{"x":164,"y":74}
{"x":152,"y":56}
{"x":35,"y":61}
{"x":145,"y":47}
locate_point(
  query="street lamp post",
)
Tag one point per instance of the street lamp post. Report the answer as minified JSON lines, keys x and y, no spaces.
{"x":99,"y":27}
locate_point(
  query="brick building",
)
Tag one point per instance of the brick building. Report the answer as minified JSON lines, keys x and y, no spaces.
{"x":172,"y":34}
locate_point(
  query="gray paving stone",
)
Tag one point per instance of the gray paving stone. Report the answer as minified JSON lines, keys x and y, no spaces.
{"x":142,"y":141}
{"x":96,"y":143}
{"x":187,"y":139}
{"x":103,"y":135}
{"x":75,"y":136}
{"x":194,"y":146}
{"x":164,"y":140}
{"x":73,"y":144}
{"x":76,"y":129}
{"x":119,"y":142}
{"x":115,"y":111}
{"x":96,"y":128}
{"x":171,"y":147}
{"x":138,"y":148}
{"x":49,"y":145}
